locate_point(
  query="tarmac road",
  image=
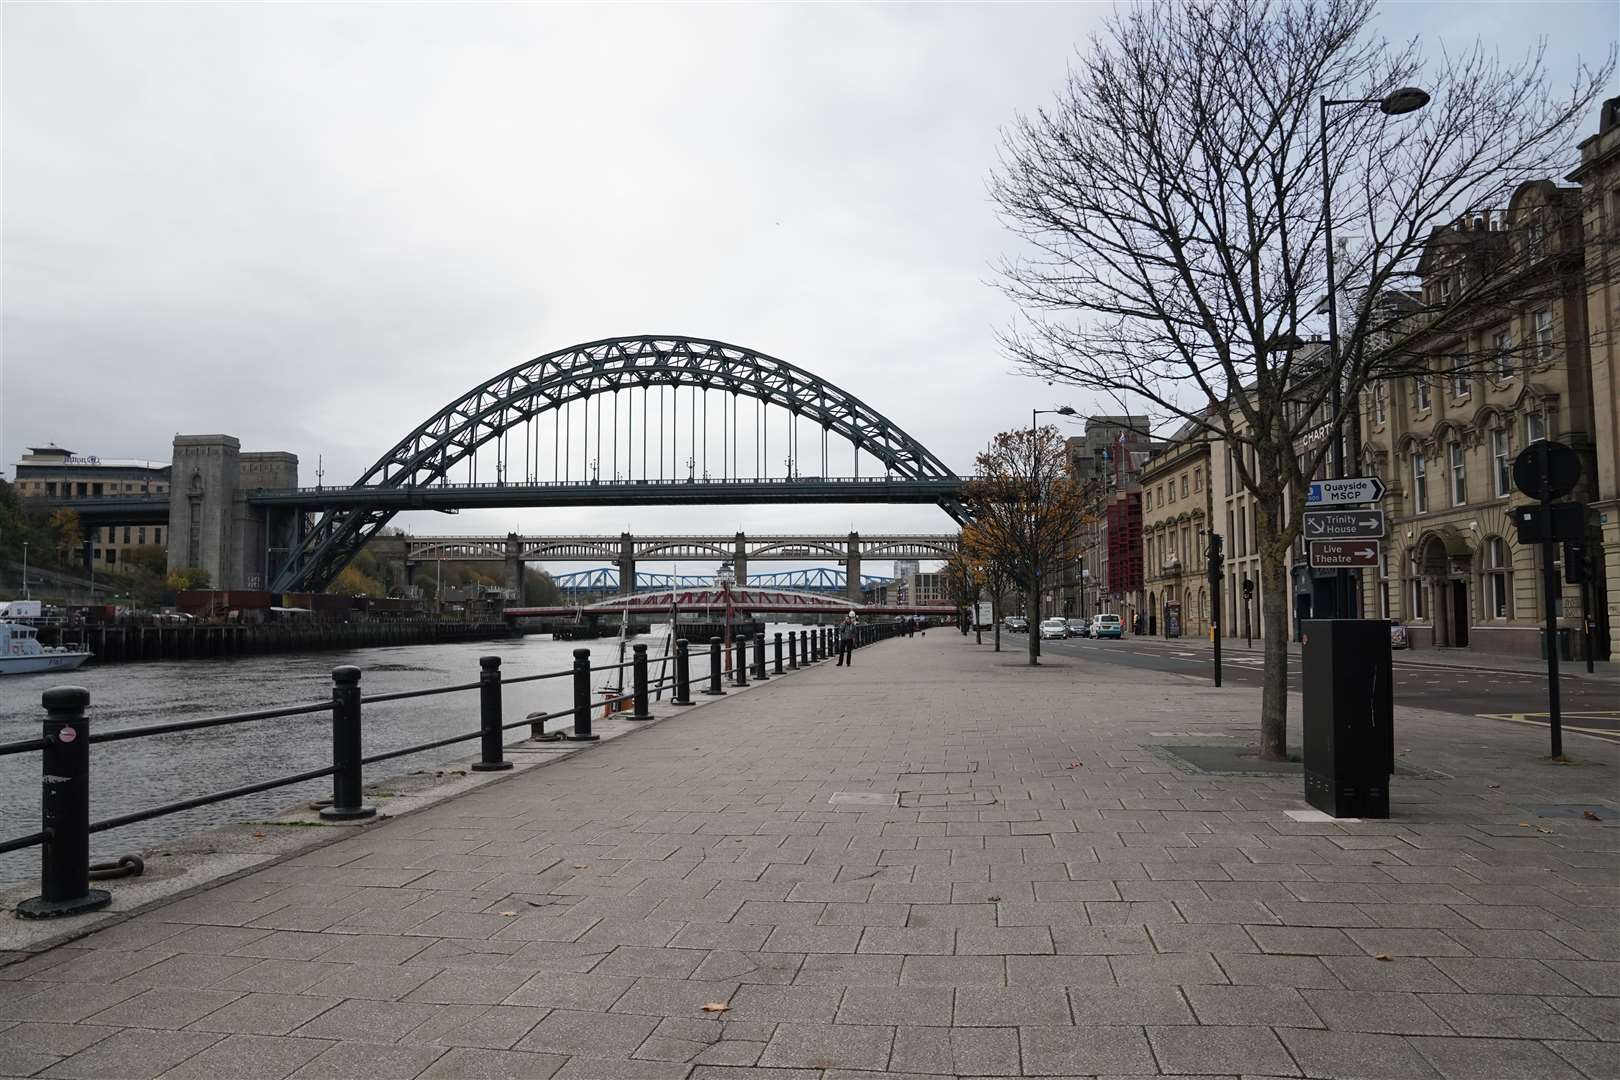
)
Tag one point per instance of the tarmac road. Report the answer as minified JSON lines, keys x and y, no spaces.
{"x":1588,"y":706}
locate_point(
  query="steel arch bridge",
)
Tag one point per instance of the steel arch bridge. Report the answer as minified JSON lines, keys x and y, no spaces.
{"x":604,"y":580}
{"x":415,"y":472}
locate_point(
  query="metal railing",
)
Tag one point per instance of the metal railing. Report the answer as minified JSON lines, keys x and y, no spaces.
{"x":64,"y":836}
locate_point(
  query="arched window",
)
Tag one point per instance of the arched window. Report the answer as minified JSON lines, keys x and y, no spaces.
{"x":1498,"y":592}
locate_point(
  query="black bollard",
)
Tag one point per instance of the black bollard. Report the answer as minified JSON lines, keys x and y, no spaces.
{"x":582,"y":698}
{"x":347,"y":789}
{"x":759,"y":658}
{"x":778,"y":658}
{"x":64,"y":811}
{"x":739,"y":672}
{"x":639,"y":667}
{"x":793,"y":650}
{"x":683,"y":674}
{"x":489,"y":715}
{"x":714,"y":689}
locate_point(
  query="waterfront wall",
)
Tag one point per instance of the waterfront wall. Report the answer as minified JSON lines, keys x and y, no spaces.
{"x":118,"y":643}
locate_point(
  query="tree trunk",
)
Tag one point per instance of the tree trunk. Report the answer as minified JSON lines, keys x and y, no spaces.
{"x":995,"y":617}
{"x":1274,"y":596}
{"x":1032,"y":612}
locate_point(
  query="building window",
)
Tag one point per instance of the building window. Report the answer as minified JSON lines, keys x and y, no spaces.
{"x":126,"y":534}
{"x":1172,"y":486}
{"x":140,"y":535}
{"x":1541,"y":334}
{"x":1184,"y":487}
{"x":1502,"y":347}
{"x":50,"y":488}
{"x":1380,"y":403}
{"x":1534,"y":237}
{"x":157,"y":534}
{"x":1420,"y":609}
{"x":1535,"y":427}
{"x":1198,"y":479}
{"x":1459,"y":475}
{"x":1459,"y":376}
{"x":1504,"y":468}
{"x":1420,"y":387}
{"x":1420,"y":485}
{"x":1498,"y":583}
{"x":112,"y":556}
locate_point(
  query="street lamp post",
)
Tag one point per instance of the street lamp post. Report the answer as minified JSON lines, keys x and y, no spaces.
{"x":25,"y":570}
{"x":1034,"y":505}
{"x":1395,"y":103}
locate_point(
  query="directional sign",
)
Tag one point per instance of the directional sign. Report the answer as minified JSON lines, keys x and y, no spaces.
{"x":1344,"y":524}
{"x":1350,"y":490}
{"x":1337,"y":554}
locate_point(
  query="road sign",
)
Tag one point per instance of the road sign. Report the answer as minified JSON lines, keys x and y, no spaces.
{"x":1345,"y":492}
{"x":1344,"y":524}
{"x":1338,"y":554}
{"x":1563,"y":470}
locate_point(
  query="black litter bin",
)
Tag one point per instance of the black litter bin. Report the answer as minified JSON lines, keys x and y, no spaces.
{"x":1349,"y":712}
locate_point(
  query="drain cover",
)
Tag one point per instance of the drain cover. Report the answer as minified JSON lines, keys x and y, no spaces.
{"x":863,"y":798}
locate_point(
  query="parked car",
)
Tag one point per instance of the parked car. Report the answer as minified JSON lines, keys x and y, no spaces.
{"x":1017,"y":624}
{"x":1054,"y":628}
{"x":1079,"y":628}
{"x":1107,"y":625}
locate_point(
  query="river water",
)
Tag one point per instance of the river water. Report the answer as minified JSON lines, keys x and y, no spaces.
{"x":138,"y":773}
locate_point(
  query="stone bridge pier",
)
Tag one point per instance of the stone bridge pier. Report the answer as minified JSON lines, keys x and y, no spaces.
{"x":627,"y":563}
{"x":514,"y":566}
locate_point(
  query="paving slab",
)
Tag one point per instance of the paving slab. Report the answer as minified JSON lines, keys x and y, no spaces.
{"x":1023,"y":885}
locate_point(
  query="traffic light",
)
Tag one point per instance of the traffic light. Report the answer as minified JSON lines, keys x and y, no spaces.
{"x":1248,"y":589}
{"x":1215,"y":556}
{"x":1575,"y":562}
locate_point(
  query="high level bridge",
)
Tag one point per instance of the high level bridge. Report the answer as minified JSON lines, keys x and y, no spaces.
{"x":644,"y":420}
{"x":626,"y":550}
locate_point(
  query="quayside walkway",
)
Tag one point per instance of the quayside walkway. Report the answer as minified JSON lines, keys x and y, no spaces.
{"x":937,"y":863}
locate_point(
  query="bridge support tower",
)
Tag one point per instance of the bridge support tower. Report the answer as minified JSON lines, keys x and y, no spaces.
{"x":514,"y":566}
{"x":739,"y":560}
{"x":627,"y":564}
{"x":211,"y":526}
{"x":852,"y":569}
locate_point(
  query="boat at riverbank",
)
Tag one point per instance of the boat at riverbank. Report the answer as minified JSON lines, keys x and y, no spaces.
{"x":21,"y":652}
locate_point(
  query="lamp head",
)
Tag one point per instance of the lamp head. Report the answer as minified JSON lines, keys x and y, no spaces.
{"x":1406,"y":99}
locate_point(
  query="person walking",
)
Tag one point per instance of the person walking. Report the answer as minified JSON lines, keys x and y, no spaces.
{"x":846,"y":642}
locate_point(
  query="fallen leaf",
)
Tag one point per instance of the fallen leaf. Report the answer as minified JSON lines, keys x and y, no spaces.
{"x":1493,"y":785}
{"x":1382,"y":956}
{"x":994,"y":899}
{"x":258,"y":836}
{"x":510,"y":914}
{"x":1075,"y":764}
{"x":1589,"y":816}
{"x":1524,"y":824}
{"x":717,"y":1007}
{"x":1541,"y":830}
{"x":582,"y":866}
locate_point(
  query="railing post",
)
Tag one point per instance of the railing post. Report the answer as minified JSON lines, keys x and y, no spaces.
{"x":64,"y":811}
{"x":489,"y":716}
{"x":793,"y":650}
{"x":759,"y":658}
{"x":639,"y":668}
{"x":739,"y":673}
{"x":714,"y":689}
{"x":778,"y":652}
{"x":682,"y":694}
{"x":582,"y":698}
{"x":346,"y":784}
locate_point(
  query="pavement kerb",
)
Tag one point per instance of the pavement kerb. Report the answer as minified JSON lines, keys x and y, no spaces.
{"x":331,"y":832}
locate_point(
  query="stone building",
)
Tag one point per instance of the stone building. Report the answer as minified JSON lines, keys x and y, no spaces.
{"x":212,"y":527}
{"x":1176,"y":508}
{"x":51,"y":472}
{"x":1599,"y":177}
{"x":1110,"y":455}
{"x":1495,"y":378}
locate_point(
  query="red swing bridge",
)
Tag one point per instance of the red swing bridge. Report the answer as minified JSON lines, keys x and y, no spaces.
{"x":723,"y":598}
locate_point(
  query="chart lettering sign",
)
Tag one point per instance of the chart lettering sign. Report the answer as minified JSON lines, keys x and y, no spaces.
{"x":1344,"y":524}
{"x":1345,"y":492}
{"x":1340,"y":554}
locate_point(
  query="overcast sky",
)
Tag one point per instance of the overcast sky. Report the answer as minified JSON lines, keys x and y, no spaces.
{"x":312,"y":226}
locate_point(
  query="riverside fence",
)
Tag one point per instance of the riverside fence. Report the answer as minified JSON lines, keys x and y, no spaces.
{"x":64,"y":744}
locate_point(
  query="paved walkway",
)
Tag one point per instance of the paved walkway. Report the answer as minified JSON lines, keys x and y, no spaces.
{"x":938,"y":863}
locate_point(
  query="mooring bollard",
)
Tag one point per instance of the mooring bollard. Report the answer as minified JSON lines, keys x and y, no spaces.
{"x":759,"y":658}
{"x":489,"y":715}
{"x":778,"y":652}
{"x":639,"y":667}
{"x":682,"y":694}
{"x":739,"y":672}
{"x":64,"y":811}
{"x":714,"y":689}
{"x":346,"y":785}
{"x":582,"y":698}
{"x":793,"y":650}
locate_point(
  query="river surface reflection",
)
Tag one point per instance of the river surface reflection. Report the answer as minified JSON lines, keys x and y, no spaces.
{"x":126,"y":776}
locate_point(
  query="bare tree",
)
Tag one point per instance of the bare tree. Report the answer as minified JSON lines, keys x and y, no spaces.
{"x":1028,"y":512}
{"x":1172,"y":205}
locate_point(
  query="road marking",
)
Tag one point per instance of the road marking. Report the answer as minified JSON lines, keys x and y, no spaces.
{"x":1544,"y":720}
